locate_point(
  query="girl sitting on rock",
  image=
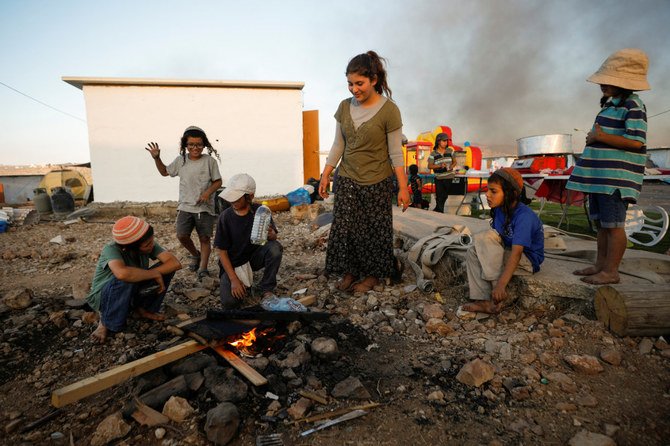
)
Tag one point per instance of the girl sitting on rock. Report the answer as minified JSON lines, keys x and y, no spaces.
{"x":515,"y":245}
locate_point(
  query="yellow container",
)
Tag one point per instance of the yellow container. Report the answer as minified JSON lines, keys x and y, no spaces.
{"x":278,"y":204}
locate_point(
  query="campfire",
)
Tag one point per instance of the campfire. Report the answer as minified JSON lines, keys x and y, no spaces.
{"x":255,"y":342}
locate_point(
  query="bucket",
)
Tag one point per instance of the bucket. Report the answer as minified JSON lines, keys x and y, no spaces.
{"x":42,"y":200}
{"x":62,"y":201}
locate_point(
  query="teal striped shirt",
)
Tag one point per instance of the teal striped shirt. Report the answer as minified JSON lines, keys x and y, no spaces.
{"x":602,"y":169}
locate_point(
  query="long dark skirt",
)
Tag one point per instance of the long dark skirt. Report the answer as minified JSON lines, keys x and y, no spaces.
{"x":361,"y":236}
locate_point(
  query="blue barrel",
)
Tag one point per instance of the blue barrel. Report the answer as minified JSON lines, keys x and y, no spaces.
{"x":42,"y":200}
{"x":62,"y":201}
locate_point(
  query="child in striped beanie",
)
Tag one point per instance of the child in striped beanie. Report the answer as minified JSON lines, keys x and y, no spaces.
{"x":124,"y":281}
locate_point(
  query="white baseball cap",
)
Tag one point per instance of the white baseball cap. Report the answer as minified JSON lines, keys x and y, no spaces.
{"x":237,"y":186}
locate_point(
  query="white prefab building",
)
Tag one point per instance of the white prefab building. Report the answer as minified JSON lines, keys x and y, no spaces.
{"x":257,"y":128}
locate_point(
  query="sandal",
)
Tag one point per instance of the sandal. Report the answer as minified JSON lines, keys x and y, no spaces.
{"x":203,"y":273}
{"x":195,"y":263}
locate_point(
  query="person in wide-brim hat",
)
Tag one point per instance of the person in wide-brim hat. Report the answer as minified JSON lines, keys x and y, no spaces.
{"x":611,"y":167}
{"x":626,"y":68}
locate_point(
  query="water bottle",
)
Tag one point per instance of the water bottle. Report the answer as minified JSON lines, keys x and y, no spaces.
{"x":259,"y":231}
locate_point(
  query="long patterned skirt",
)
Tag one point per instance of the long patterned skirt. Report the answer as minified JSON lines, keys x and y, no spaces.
{"x":361,"y":236}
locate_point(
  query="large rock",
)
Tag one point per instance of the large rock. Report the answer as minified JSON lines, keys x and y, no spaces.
{"x":224,"y":385}
{"x":564,"y":381}
{"x":350,"y":388}
{"x":81,"y":287}
{"x":433,"y":311}
{"x":611,"y":356}
{"x":586,"y":364}
{"x":300,"y":408}
{"x":435,"y":325}
{"x":192,"y":364}
{"x":109,"y":429}
{"x":586,"y":438}
{"x":177,"y":409}
{"x":18,"y":299}
{"x":222,"y":423}
{"x":197,"y":293}
{"x":325,"y":348}
{"x":475,"y":373}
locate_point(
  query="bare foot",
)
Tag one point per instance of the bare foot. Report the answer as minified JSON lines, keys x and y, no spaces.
{"x":365,"y":285}
{"x":268,"y":294}
{"x":602,"y":278}
{"x":141,"y":312}
{"x":591,"y":270}
{"x":100,"y":333}
{"x":345,"y":283}
{"x":483,"y":306}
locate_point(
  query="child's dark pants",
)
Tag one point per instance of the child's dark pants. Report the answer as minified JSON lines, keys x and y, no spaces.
{"x":118,"y":298}
{"x":267,"y":257}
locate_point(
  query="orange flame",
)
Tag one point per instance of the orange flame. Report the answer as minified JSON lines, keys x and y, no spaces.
{"x":247,"y":340}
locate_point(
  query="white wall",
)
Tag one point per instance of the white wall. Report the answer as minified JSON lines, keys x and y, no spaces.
{"x":255,"y":130}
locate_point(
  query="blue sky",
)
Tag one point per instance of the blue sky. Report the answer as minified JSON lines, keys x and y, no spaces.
{"x":493,"y":70}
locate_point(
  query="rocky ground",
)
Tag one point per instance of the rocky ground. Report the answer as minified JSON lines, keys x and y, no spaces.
{"x":524,"y":377}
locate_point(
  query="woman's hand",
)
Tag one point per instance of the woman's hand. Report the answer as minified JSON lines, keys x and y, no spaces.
{"x":272,"y":234}
{"x":323,"y":186}
{"x":403,"y":198}
{"x":154,"y":150}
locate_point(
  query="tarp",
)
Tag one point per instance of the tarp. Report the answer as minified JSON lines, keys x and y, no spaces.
{"x":72,"y":179}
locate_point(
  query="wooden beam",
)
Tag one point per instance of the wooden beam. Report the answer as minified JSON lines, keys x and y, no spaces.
{"x":634,"y":309}
{"x":238,"y":364}
{"x":89,"y":386}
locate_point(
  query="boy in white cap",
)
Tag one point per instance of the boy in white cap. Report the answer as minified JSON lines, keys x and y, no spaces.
{"x":238,"y":257}
{"x":611,"y":168}
{"x":123,"y":279}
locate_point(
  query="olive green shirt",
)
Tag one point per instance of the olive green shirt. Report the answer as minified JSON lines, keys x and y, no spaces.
{"x":103,"y":274}
{"x":366,"y":153}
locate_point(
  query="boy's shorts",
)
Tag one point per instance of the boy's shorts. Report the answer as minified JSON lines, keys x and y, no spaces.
{"x":202,"y":222}
{"x":609,"y":211}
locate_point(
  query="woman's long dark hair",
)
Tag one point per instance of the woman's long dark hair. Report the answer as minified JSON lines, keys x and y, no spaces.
{"x":510,"y":200}
{"x":371,"y":65}
{"x":196,"y":133}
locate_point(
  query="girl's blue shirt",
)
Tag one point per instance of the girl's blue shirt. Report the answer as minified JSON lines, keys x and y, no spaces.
{"x":525,"y":229}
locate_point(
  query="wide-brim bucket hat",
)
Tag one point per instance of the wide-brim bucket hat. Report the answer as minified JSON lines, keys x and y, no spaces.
{"x":626,"y":68}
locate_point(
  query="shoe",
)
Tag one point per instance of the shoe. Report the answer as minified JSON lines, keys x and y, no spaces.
{"x":203,"y":273}
{"x":195,"y":263}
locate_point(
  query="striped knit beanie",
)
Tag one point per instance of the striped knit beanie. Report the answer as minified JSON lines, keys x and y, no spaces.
{"x":129,"y":229}
{"x":512,"y":176}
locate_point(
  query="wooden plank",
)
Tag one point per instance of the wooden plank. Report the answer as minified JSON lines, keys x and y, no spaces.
{"x":245,"y":369}
{"x":190,"y":321}
{"x":89,"y":386}
{"x":314,"y":397}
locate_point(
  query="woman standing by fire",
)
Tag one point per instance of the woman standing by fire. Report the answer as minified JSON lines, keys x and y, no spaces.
{"x":611,"y":167}
{"x":368,"y":141}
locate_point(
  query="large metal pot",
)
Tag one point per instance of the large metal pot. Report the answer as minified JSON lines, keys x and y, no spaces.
{"x":544,"y":145}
